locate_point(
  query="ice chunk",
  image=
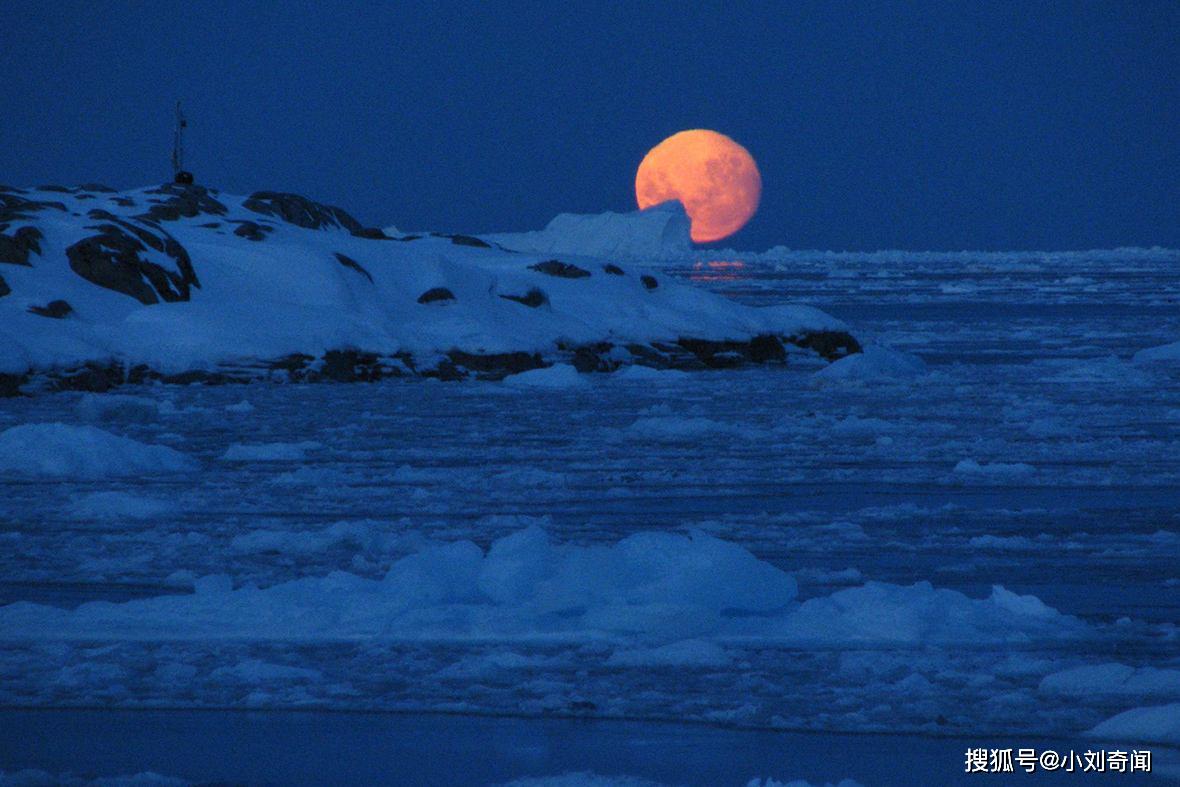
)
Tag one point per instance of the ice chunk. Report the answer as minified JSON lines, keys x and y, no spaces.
{"x":970,"y":467}
{"x":647,"y":591}
{"x":560,"y":375}
{"x":1153,"y":724}
{"x":108,"y":406}
{"x":65,"y":451}
{"x":658,"y":233}
{"x":118,"y":505}
{"x":1113,"y":679}
{"x":1165,"y":353}
{"x":874,"y":363}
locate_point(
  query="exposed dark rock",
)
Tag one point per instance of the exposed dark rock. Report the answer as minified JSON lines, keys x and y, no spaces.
{"x":10,"y":384}
{"x":351,"y":366}
{"x":54,"y":309}
{"x":436,"y":294}
{"x":831,"y":345}
{"x":56,"y":189}
{"x":593,"y":358}
{"x":13,"y":207}
{"x":349,"y":262}
{"x":469,"y":240}
{"x":125,"y":202}
{"x":98,"y":188}
{"x":372,"y":233}
{"x":767,"y":349}
{"x":293,"y":364}
{"x":300,"y":211}
{"x":16,"y":248}
{"x":533,"y":298}
{"x":649,"y":281}
{"x":112,"y":260}
{"x":182,"y":200}
{"x":495,"y":366}
{"x":562,"y":270}
{"x":251,"y":230}
{"x":613,"y":270}
{"x":91,"y":377}
{"x":212,"y":225}
{"x":4,"y":288}
{"x":200,"y":376}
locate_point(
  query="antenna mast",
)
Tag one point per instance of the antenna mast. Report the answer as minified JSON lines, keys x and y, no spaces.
{"x":179,"y":174}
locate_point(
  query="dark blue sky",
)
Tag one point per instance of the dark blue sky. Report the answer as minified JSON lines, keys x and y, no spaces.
{"x":926,"y":125}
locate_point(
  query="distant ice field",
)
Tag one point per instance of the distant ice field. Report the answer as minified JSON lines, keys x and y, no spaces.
{"x":790,"y":548}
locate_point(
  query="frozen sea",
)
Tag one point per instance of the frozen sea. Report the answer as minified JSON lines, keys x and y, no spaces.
{"x":716,"y":575}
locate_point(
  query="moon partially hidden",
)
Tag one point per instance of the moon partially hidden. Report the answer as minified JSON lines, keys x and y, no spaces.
{"x":714,"y":177}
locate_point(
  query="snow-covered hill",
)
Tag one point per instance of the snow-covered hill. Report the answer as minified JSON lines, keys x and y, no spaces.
{"x":184,"y":283}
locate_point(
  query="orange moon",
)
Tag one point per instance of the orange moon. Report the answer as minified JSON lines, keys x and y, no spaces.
{"x":714,"y":177}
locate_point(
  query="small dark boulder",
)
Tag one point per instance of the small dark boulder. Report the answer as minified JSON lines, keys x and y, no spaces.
{"x":16,"y":248}
{"x":533,"y":298}
{"x":372,"y":233}
{"x":613,"y":270}
{"x":4,"y":288}
{"x":97,"y":188}
{"x":649,"y":281}
{"x":436,"y":295}
{"x":562,"y":270}
{"x":54,"y":309}
{"x":349,"y":262}
{"x":252,"y":230}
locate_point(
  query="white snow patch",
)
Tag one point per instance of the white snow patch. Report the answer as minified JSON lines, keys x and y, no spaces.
{"x":66,"y":451}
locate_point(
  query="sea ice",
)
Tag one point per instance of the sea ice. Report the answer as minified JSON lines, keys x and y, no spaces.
{"x":66,"y":451}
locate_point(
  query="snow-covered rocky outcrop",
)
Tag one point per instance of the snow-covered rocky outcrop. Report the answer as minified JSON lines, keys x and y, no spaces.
{"x":658,"y":233}
{"x":183,"y":283}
